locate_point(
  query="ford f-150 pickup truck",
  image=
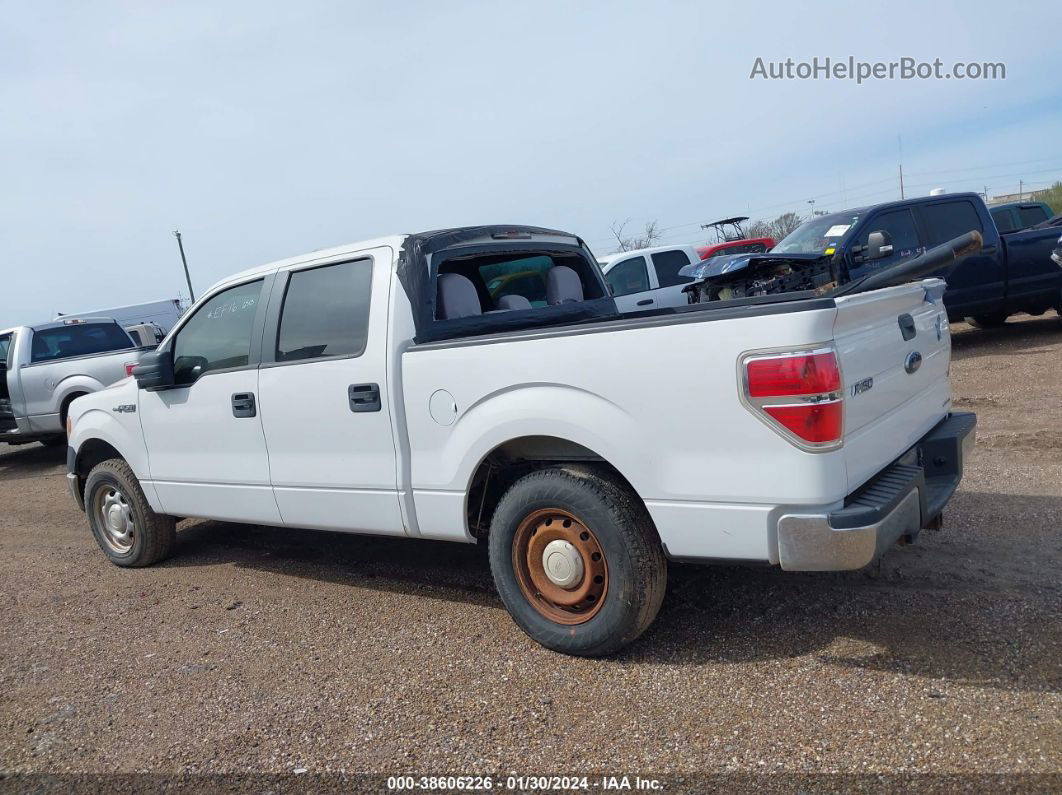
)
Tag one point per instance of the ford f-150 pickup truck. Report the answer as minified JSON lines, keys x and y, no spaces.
{"x":43,"y":368}
{"x":1008,"y":274}
{"x":384,"y":388}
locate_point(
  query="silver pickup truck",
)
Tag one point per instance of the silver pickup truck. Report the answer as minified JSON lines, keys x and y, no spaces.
{"x":44,"y":367}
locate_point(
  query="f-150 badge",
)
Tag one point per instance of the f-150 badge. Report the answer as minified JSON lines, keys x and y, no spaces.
{"x":859,"y":387}
{"x":125,"y":408}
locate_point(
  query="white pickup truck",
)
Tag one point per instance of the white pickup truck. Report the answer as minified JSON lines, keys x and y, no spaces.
{"x":648,"y":278}
{"x":384,"y":388}
{"x":43,"y":368}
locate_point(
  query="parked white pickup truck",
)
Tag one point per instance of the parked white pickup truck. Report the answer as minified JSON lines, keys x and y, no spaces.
{"x":382,"y":387}
{"x":43,"y":368}
{"x":648,"y":278}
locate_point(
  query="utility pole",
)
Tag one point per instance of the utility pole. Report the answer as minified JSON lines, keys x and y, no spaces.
{"x":899,"y":149}
{"x":812,"y":203}
{"x":180,"y":245}
{"x":1021,"y":190}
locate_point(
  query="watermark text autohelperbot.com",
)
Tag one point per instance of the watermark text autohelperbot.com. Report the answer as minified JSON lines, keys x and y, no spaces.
{"x":905,"y":68}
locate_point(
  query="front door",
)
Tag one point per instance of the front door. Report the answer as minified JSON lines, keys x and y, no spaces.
{"x":325,"y":403}
{"x":205,"y":443}
{"x":631,"y":288}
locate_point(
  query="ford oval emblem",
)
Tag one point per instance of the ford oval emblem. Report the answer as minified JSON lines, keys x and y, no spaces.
{"x":912,"y":362}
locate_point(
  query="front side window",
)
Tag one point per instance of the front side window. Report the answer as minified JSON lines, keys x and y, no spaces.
{"x":900,"y":227}
{"x":78,"y":339}
{"x":630,"y":276}
{"x":1004,"y":220}
{"x":326,"y":312}
{"x":218,"y":335}
{"x":668,"y":264}
{"x":948,"y":220}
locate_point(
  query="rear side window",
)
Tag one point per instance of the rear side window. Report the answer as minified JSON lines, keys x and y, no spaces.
{"x":218,"y":335}
{"x":947,"y":220}
{"x":1031,"y":216}
{"x":83,"y":339}
{"x":630,"y":276}
{"x":667,"y":264}
{"x":326,"y":312}
{"x":1004,"y":220}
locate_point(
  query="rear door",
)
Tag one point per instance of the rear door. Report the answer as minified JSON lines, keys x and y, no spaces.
{"x":894,"y":349}
{"x":325,"y":397}
{"x":667,"y":265}
{"x":978,"y":281}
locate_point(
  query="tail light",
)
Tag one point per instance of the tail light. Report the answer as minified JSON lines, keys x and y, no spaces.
{"x":798,"y":394}
{"x":129,"y":366}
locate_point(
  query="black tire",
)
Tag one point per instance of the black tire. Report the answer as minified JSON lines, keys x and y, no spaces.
{"x":995,"y":320}
{"x":152,"y":536}
{"x":636,"y":567}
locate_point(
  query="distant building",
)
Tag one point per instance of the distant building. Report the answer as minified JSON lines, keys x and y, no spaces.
{"x":1027,"y":196}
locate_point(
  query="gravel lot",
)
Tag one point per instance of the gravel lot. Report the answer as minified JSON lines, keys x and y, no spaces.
{"x":264,"y":650}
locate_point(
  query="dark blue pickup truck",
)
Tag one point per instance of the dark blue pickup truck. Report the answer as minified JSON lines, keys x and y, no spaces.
{"x":1010,"y":274}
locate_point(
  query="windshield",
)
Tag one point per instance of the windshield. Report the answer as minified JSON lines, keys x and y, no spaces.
{"x":817,"y":235}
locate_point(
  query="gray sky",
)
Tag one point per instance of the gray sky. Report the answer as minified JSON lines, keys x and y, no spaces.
{"x":262,"y":132}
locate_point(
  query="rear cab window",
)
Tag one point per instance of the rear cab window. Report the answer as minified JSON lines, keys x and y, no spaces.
{"x":525,"y":276}
{"x":77,"y":339}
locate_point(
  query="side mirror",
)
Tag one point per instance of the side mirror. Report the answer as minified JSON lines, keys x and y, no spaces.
{"x":879,"y":245}
{"x":155,"y":370}
{"x":187,"y":369}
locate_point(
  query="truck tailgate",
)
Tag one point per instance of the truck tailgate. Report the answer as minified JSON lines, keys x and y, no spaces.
{"x":894,"y":348}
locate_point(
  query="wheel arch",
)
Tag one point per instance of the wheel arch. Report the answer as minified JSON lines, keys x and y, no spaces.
{"x":509,"y":460}
{"x":98,"y":433}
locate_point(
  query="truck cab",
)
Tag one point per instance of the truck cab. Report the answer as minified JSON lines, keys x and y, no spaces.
{"x":648,"y":278}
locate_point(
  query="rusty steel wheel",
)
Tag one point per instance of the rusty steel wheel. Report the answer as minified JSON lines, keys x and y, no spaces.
{"x":560,"y":566}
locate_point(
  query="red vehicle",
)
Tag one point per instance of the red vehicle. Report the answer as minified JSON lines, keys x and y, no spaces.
{"x":730,"y":239}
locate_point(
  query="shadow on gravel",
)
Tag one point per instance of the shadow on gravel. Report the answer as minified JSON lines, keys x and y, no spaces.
{"x":946,"y":609}
{"x":30,"y":461}
{"x":1017,"y":336}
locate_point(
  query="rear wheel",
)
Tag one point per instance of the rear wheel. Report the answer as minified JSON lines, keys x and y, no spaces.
{"x":994,"y":320}
{"x":125,"y":527}
{"x":577,"y":561}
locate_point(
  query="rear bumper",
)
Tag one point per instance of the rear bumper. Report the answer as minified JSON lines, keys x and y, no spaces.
{"x":897,"y":503}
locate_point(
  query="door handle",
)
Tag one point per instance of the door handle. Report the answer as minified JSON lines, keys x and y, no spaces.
{"x":243,"y":404}
{"x":645,"y":302}
{"x":364,"y":397}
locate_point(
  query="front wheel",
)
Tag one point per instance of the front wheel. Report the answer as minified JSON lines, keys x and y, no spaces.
{"x":577,"y":561}
{"x":125,"y":527}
